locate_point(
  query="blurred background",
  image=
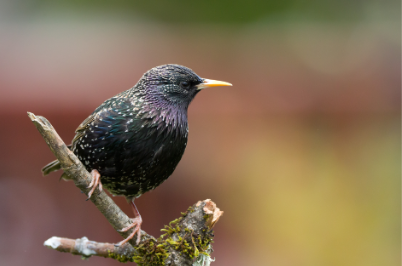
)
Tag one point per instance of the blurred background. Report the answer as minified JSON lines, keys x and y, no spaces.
{"x":302,"y":153}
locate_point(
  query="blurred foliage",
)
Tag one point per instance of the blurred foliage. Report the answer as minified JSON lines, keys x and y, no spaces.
{"x":209,"y":11}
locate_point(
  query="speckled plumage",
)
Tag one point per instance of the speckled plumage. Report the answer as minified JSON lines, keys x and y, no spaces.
{"x":136,"y":138}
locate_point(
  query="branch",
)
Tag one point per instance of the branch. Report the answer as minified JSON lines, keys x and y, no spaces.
{"x":186,"y":238}
{"x":87,"y":248}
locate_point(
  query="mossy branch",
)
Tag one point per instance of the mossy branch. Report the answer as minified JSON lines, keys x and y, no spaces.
{"x":185,"y":239}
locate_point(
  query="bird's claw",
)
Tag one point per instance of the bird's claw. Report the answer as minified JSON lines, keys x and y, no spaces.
{"x":95,"y":182}
{"x":136,"y":222}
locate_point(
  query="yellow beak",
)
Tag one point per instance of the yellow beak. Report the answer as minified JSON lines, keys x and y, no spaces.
{"x":212,"y":83}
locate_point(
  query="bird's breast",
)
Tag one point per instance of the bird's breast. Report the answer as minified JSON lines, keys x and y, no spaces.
{"x":134,"y":149}
{"x":131,"y":157}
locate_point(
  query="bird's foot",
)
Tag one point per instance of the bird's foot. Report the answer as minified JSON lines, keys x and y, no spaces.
{"x":136,"y":222}
{"x":95,"y":182}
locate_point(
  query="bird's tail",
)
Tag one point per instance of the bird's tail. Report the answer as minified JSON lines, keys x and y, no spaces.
{"x":51,"y":167}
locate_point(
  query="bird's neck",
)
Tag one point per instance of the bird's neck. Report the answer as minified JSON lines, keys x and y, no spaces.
{"x":169,"y":118}
{"x":166,"y":116}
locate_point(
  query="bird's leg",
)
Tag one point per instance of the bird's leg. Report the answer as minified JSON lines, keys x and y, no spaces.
{"x":95,"y":182}
{"x":137,"y":221}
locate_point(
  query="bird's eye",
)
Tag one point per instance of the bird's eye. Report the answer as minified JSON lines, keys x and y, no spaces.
{"x":184,"y":84}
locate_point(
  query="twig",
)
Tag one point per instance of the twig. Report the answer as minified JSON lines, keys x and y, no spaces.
{"x":87,"y":248}
{"x":198,"y":220}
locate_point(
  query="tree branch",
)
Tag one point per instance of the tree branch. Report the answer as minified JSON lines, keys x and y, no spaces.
{"x":185,"y":239}
{"x":87,"y":248}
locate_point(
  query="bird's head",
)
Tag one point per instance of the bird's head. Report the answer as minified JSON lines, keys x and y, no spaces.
{"x":175,"y":84}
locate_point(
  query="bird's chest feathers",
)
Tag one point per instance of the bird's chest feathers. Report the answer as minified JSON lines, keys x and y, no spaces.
{"x":159,"y":132}
{"x":159,"y":117}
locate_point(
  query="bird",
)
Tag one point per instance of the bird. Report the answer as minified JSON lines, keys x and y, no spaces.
{"x":133,"y":141}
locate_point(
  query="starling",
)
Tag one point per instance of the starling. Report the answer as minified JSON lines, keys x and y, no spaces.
{"x":133,"y":141}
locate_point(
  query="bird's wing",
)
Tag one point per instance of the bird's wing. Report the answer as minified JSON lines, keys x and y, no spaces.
{"x":79,"y":132}
{"x":85,"y":123}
